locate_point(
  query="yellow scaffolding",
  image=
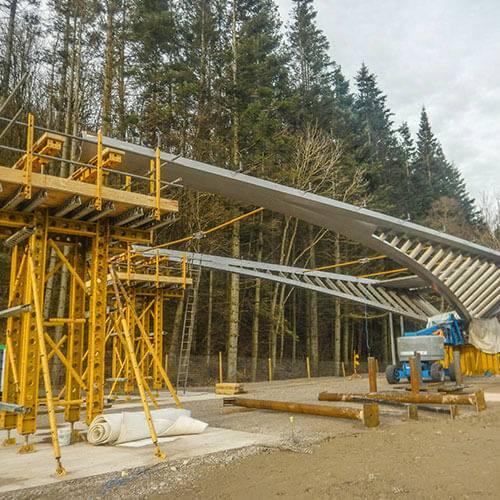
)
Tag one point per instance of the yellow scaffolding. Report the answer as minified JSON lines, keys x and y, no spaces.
{"x":73,"y":354}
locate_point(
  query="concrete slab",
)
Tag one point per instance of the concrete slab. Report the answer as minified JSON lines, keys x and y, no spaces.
{"x":164,"y":399}
{"x":83,"y":460}
{"x":492,"y":397}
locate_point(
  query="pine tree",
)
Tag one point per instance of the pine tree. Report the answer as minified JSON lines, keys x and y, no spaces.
{"x":408,"y":151}
{"x":255,"y":82}
{"x":435,"y":176}
{"x":155,"y":50}
{"x":312,"y":70}
{"x":204,"y":41}
{"x":376,"y":144}
{"x":11,"y":6}
{"x":260,"y":82}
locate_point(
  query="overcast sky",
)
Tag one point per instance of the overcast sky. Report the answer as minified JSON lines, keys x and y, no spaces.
{"x":444,"y":54}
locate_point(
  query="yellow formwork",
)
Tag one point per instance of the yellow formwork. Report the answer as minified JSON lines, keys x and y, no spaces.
{"x":73,"y":354}
{"x":149,"y":306}
{"x":473,"y":361}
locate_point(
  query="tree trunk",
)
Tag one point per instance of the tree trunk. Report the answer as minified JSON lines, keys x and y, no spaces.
{"x":346,"y":338}
{"x":209,"y":316}
{"x":76,"y":100}
{"x":234,"y":291}
{"x":174,"y":341}
{"x":337,"y":320}
{"x":294,"y":328}
{"x":255,"y":329}
{"x":278,"y":300}
{"x":64,"y":63}
{"x":108,"y":69}
{"x":9,"y":44}
{"x":121,"y":76}
{"x":385,"y":341}
{"x":235,"y":119}
{"x":273,"y":324}
{"x":313,"y":313}
{"x":313,"y":331}
{"x":256,"y":311}
{"x":337,"y":349}
{"x":234,"y":309}
{"x":281,"y":321}
{"x":69,"y":149}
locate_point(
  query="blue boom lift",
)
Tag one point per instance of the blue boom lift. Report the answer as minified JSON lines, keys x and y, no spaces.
{"x":429,"y":343}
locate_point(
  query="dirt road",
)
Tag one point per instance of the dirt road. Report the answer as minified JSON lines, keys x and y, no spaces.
{"x":435,"y":457}
{"x":438,"y":459}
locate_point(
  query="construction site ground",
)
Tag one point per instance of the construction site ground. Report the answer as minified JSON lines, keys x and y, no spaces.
{"x":260,"y":454}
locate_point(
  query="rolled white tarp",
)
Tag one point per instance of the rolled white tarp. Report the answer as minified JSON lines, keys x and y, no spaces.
{"x":117,"y":428}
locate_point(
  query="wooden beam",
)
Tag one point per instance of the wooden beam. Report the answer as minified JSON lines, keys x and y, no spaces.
{"x":111,"y":158}
{"x":148,"y":278}
{"x":48,"y":144}
{"x":177,"y":280}
{"x":60,"y":188}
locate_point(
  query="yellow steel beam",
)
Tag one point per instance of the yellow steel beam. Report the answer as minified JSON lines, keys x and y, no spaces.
{"x":75,"y":337}
{"x":37,"y":298}
{"x":384,"y":273}
{"x":68,"y":265}
{"x":59,"y":343}
{"x":64,"y":359}
{"x":70,"y":227}
{"x":10,"y":375}
{"x":29,"y":359}
{"x":53,"y":271}
{"x":145,"y":337}
{"x":141,"y":383}
{"x":158,"y":337}
{"x":157,"y":184}
{"x":97,"y":327}
{"x":129,"y":374}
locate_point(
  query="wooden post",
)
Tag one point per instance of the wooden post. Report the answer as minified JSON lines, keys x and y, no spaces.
{"x":369,"y":414}
{"x":455,"y":365}
{"x":415,"y":373}
{"x":220,"y":367}
{"x":270,"y":369}
{"x":412,"y":412}
{"x":308,"y":367}
{"x":476,"y":399}
{"x":372,"y":373}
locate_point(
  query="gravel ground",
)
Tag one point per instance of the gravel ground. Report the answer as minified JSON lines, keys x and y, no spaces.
{"x":320,"y":457}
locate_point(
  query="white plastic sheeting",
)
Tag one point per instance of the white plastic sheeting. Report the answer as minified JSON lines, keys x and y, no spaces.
{"x":116,"y":428}
{"x":485,"y":335}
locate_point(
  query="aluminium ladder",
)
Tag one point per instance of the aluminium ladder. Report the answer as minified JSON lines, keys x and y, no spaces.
{"x":187,"y":330}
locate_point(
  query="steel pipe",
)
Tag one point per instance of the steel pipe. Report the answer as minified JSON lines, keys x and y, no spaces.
{"x":369,"y":414}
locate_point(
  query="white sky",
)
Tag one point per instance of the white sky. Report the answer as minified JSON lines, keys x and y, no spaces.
{"x":444,"y":54}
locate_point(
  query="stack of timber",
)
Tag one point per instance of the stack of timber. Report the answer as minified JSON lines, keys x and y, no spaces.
{"x":229,"y":388}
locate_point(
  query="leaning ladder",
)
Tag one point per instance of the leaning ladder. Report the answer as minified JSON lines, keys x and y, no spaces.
{"x":187,"y":330}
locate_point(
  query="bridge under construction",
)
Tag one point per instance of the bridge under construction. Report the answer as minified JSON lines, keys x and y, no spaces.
{"x":97,"y":226}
